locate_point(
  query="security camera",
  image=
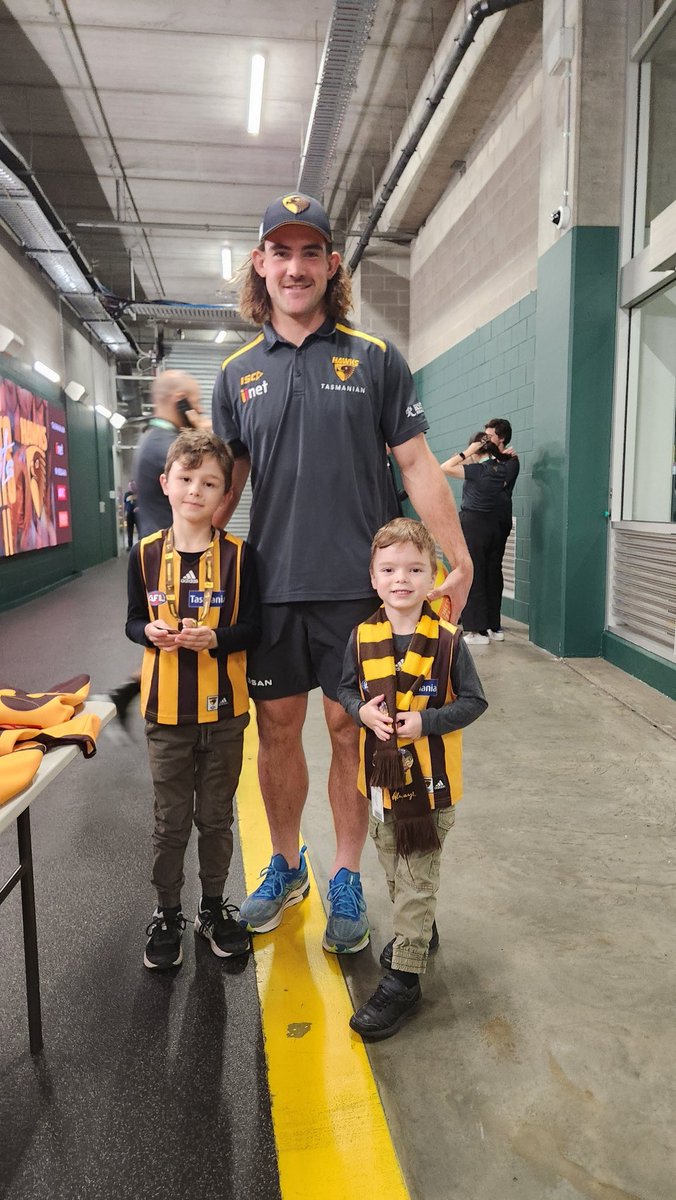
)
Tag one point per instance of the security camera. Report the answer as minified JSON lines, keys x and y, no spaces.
{"x":561,"y":217}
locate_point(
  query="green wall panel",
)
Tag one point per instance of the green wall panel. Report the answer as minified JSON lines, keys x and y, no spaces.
{"x":574,"y":362}
{"x":489,"y":374}
{"x":653,"y":670}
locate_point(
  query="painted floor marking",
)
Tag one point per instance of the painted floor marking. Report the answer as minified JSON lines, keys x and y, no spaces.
{"x":333,"y":1142}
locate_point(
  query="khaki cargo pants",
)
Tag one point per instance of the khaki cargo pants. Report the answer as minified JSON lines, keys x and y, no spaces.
{"x":413,"y":887}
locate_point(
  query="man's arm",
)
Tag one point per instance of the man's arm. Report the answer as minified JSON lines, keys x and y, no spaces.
{"x":240,"y":474}
{"x":433,"y":501}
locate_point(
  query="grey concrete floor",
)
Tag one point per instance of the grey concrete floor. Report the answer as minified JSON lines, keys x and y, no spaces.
{"x":540,"y":1065}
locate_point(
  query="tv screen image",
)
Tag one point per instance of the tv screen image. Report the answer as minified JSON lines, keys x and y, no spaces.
{"x":34,"y":478}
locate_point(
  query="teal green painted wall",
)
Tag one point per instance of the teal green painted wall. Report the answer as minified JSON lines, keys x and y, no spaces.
{"x":652,"y":669}
{"x":489,"y":374}
{"x":574,"y":363}
{"x":90,"y":451}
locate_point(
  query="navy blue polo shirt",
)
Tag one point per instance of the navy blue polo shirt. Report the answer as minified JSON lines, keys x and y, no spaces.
{"x":314,"y":420}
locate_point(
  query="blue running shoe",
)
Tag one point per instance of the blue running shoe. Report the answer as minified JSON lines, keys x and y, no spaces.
{"x":281,"y":887}
{"x":347,"y":929}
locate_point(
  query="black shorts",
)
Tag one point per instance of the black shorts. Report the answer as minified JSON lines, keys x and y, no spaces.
{"x":303,"y":646}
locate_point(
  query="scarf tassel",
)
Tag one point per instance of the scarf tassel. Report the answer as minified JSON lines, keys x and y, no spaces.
{"x":388,"y":770}
{"x":417,"y":835}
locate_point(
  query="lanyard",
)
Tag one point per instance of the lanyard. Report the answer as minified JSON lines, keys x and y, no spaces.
{"x":169,"y":554}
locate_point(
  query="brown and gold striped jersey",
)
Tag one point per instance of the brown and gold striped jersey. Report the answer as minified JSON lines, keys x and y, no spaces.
{"x":183,"y":686}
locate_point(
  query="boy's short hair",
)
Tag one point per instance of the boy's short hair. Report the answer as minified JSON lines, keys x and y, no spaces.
{"x":502,"y":427}
{"x":194,"y":446}
{"x":403,"y":529}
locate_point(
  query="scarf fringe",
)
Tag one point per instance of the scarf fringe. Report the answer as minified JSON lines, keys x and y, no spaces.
{"x":417,"y":835}
{"x":388,"y":770}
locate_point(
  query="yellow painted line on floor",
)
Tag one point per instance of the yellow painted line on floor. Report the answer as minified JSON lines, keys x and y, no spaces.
{"x":332,"y":1138}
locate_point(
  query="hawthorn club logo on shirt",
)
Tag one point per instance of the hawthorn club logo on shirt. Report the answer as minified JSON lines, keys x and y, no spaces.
{"x":344,"y":367}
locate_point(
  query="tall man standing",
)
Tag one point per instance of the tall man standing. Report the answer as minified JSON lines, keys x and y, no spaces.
{"x":308,"y":405}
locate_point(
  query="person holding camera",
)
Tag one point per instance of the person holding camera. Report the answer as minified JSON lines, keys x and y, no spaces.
{"x":487,"y":473}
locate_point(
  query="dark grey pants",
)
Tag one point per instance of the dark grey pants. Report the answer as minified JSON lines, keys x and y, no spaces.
{"x":195,"y":770}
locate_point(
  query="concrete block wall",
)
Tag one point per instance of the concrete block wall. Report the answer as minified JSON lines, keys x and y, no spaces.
{"x":489,"y":374}
{"x":477,"y":254}
{"x":381,"y":291}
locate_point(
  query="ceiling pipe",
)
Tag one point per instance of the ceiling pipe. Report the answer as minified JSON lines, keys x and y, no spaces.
{"x":476,"y":17}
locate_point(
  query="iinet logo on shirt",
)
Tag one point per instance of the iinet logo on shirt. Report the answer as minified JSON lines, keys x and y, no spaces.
{"x":250,"y":387}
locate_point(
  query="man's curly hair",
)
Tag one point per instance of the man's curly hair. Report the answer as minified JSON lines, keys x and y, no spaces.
{"x":254,"y":301}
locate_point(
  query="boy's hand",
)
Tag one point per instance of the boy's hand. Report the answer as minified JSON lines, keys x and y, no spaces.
{"x":409,"y":724}
{"x":196,"y":637}
{"x":161,"y":635}
{"x":376,"y":718}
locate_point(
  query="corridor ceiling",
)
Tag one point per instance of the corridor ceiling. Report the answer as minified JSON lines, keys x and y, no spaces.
{"x":132,"y":117}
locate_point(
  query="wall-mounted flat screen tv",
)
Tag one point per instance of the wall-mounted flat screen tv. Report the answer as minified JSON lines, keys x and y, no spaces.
{"x":34,"y":476}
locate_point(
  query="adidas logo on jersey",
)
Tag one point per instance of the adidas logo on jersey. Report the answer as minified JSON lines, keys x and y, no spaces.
{"x":189,"y":577}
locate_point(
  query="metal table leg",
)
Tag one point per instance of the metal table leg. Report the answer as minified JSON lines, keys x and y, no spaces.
{"x":30,"y":936}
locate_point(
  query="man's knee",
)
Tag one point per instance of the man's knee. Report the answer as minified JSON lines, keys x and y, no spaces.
{"x":280,"y":720}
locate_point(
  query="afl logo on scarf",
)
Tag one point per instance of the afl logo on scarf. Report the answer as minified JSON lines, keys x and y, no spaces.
{"x":344,"y":367}
{"x":296,"y":204}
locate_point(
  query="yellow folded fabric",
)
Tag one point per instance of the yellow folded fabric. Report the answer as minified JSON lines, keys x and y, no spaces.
{"x":42,"y":709}
{"x":32,"y":723}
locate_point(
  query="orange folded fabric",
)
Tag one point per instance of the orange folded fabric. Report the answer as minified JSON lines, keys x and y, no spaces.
{"x":31,"y":723}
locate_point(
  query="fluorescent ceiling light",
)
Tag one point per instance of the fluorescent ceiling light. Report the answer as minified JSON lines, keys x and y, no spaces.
{"x":75,"y":390}
{"x":220,"y":336}
{"x":226,"y":262}
{"x":105,"y":412}
{"x":117,"y":420}
{"x":256,"y":94}
{"x":47,"y":372}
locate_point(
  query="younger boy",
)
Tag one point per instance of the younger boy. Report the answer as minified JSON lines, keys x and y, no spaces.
{"x":411,"y":684}
{"x":193,"y":603}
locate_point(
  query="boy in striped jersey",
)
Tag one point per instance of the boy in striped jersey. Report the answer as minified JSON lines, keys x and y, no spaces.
{"x":194,"y":606}
{"x":411,"y":685}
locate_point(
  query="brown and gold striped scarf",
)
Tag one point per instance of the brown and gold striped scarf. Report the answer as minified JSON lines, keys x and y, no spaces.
{"x":414,"y":826}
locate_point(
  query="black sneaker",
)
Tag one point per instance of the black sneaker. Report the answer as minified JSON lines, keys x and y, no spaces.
{"x":218,"y":925}
{"x":389,"y":1006}
{"x":122,"y":697}
{"x":163,"y":948}
{"x":386,"y":955}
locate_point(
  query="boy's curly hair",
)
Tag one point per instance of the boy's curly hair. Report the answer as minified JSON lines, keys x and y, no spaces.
{"x":401,"y":530}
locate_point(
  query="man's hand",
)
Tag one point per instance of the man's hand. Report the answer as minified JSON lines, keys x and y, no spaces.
{"x":409,"y":725}
{"x":456,"y":586}
{"x":376,"y":718}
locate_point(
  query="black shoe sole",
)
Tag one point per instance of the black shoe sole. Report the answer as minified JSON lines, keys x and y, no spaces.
{"x":163,"y":966}
{"x":218,"y":950}
{"x":379,"y":1035}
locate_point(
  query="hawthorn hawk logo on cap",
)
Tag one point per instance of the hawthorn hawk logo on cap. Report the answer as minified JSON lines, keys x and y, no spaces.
{"x":296,"y":204}
{"x":344,"y":367}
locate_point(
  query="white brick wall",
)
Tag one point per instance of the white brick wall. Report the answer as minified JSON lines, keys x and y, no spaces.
{"x":477,"y":254}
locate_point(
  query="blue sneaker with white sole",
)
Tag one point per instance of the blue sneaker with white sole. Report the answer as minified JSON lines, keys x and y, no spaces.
{"x":347,"y":929}
{"x":282,"y":886}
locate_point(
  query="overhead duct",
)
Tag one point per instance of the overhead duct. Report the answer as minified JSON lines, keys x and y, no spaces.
{"x":343,"y":51}
{"x":26,"y":212}
{"x":476,"y":17}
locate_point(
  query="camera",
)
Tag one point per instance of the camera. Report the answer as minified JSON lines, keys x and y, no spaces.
{"x":561,"y":217}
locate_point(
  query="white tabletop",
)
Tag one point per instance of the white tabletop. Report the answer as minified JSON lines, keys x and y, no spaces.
{"x":53,"y":763}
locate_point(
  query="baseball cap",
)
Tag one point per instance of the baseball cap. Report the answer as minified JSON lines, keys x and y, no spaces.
{"x":295,"y":209}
